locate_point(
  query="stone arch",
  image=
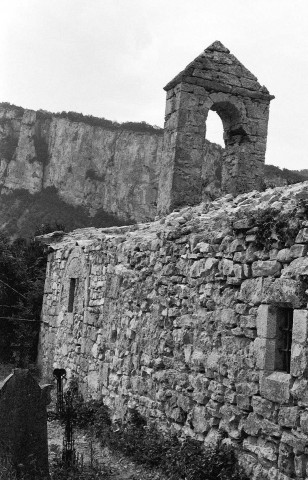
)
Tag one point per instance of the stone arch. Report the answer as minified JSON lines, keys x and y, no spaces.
{"x":232,"y":115}
{"x":217,"y":81}
{"x":73,"y":294}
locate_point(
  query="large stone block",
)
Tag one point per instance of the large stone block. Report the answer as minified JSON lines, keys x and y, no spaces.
{"x":298,"y":250}
{"x":267,"y":321}
{"x":204,"y":267}
{"x":276,"y":387}
{"x":296,"y":440}
{"x":227,"y":316}
{"x":300,"y":326}
{"x":252,"y":425}
{"x":288,"y":416}
{"x":200,"y":419}
{"x":265,"y":350}
{"x":251,"y":291}
{"x":299,"y":392}
{"x":283,"y":291}
{"x":266,"y":268}
{"x":299,"y":266}
{"x":302,"y":236}
{"x":263,"y":407}
{"x":298,"y":360}
{"x":284,"y":256}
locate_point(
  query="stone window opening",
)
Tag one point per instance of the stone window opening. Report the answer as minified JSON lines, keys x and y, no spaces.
{"x":284,"y":339}
{"x":281,"y":336}
{"x":214,"y":131}
{"x":72,"y":294}
{"x":234,"y":131}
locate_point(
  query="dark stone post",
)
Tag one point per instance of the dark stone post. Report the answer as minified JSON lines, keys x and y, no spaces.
{"x":23,"y":422}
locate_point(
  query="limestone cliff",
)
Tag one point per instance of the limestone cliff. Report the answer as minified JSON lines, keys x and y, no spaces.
{"x":91,"y":167}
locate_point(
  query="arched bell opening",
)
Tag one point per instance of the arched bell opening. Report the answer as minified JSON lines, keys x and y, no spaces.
{"x":214,"y":130}
{"x":233,"y":126}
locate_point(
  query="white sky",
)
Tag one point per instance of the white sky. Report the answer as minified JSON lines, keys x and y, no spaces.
{"x":111,"y":58}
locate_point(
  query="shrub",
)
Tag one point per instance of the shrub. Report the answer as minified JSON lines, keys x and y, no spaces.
{"x":145,"y":444}
{"x":276,"y":226}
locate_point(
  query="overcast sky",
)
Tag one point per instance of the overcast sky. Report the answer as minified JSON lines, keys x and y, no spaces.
{"x":112,"y":58}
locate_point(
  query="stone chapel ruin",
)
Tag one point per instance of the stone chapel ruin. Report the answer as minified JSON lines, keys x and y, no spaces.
{"x":198,"y":319}
{"x":217,"y":81}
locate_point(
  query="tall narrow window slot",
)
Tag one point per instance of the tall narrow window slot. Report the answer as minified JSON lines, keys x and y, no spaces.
{"x":284,"y":339}
{"x":71,"y":295}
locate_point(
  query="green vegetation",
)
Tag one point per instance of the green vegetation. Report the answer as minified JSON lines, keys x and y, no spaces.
{"x":274,"y":226}
{"x":291,"y":176}
{"x":18,"y":110}
{"x":21,"y":212}
{"x":43,"y":115}
{"x":145,"y":444}
{"x":22,"y":277}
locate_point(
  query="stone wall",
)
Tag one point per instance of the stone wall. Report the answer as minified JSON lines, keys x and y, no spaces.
{"x":184,"y":319}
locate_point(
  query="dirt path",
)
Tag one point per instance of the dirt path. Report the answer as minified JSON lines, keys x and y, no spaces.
{"x":118,"y":466}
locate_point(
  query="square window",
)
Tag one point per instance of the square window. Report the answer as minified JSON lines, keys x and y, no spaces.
{"x":279,"y":329}
{"x":275,"y":332}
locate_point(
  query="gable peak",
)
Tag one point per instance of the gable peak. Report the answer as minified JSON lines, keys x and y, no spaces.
{"x":217,"y":46}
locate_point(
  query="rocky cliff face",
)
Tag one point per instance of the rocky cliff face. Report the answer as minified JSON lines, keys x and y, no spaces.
{"x":92,"y":167}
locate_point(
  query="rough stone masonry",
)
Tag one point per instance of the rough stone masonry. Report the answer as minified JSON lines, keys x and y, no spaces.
{"x":216,"y":81}
{"x":189,"y":319}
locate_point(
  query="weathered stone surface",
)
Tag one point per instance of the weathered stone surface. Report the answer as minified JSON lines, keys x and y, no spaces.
{"x":251,"y":291}
{"x":288,"y":416}
{"x":202,"y":86}
{"x":266,"y":321}
{"x":300,"y":326}
{"x":298,"y":250}
{"x":283,"y":291}
{"x":296,"y":440}
{"x":263,"y":407}
{"x":162,"y":321}
{"x":266,"y":268}
{"x":304,"y":422}
{"x":302,"y":236}
{"x":204,"y":267}
{"x":298,"y":360}
{"x":284,"y":256}
{"x":276,"y":387}
{"x":299,"y":266}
